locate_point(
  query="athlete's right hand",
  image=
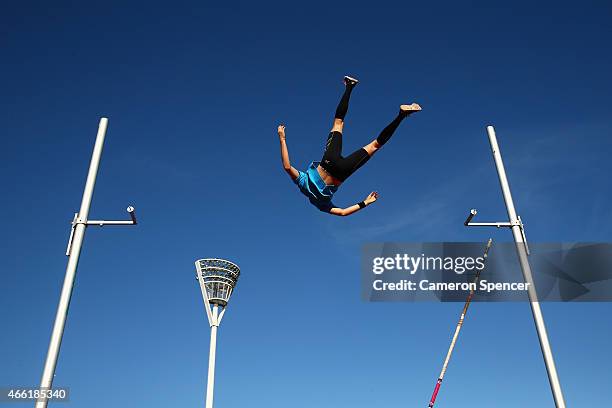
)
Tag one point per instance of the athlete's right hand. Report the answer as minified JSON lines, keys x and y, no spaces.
{"x":281,"y":131}
{"x":372,"y":197}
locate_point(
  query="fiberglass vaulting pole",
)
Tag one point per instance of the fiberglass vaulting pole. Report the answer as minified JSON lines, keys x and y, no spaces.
{"x":518,"y":231}
{"x":432,"y":401}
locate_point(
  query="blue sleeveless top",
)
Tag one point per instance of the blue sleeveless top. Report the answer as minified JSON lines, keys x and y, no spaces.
{"x":313,"y":186}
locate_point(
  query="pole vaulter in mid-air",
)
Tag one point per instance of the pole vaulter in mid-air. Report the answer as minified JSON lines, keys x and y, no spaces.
{"x":322,"y":179}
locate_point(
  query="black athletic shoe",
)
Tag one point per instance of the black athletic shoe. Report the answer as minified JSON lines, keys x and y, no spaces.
{"x":350,"y":81}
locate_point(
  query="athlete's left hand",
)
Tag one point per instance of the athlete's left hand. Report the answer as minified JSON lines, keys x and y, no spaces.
{"x":372,"y":197}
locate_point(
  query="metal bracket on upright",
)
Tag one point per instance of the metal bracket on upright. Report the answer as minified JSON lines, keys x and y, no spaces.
{"x":76,"y":221}
{"x":502,"y":224}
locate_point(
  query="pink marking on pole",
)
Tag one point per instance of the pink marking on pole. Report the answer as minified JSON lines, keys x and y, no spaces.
{"x":435,"y":393}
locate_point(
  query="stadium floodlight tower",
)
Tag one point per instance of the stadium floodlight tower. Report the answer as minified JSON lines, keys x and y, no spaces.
{"x":217,"y":279}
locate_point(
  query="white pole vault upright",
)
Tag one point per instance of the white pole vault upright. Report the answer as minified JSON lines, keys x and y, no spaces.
{"x":217,"y":279}
{"x":518,"y":231}
{"x":77,"y":233}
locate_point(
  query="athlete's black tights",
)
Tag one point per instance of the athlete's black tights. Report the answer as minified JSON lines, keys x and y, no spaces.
{"x":342,"y":167}
{"x":338,"y":166}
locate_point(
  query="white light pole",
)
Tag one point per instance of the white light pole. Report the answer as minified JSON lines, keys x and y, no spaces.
{"x":217,"y":279}
{"x":518,"y":231}
{"x":77,"y":233}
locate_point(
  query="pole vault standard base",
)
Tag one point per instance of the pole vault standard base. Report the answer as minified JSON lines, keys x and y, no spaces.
{"x":77,"y":234}
{"x":518,"y":232}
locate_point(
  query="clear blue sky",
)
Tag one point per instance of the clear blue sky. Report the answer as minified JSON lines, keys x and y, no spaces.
{"x":194,"y":93}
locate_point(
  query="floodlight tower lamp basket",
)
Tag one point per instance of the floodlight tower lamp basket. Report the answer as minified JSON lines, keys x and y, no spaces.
{"x":217,"y":279}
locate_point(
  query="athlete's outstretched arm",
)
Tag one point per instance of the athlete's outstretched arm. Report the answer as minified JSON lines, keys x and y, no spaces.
{"x":291,"y":171}
{"x":372,"y":197}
